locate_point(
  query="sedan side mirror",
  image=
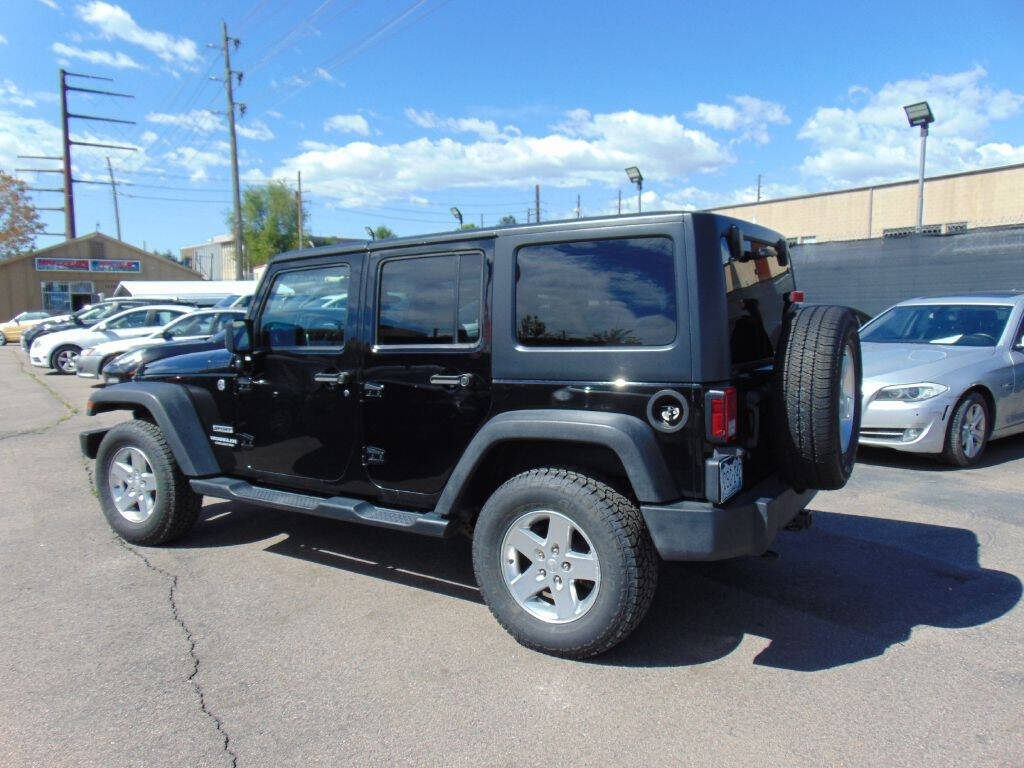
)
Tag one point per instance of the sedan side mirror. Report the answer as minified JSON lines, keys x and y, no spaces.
{"x":238,"y":339}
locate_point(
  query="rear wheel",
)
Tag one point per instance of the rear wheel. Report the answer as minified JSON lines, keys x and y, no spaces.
{"x":65,"y":359}
{"x":968,"y":431}
{"x":818,"y":396}
{"x":3,"y":340}
{"x":565,"y":563}
{"x":144,"y":495}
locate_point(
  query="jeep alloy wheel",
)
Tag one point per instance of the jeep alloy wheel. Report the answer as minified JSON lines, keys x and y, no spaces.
{"x":132,"y":484}
{"x":554,"y":576}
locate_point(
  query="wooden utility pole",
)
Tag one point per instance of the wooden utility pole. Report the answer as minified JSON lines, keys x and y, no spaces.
{"x":113,"y":193}
{"x":226,"y":43}
{"x":69,"y":190}
{"x":298,"y":201}
{"x":620,"y":202}
{"x":536,"y":192}
{"x":759,"y":187}
{"x":579,"y":210}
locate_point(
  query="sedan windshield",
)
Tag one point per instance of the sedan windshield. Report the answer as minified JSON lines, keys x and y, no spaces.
{"x":962,"y":325}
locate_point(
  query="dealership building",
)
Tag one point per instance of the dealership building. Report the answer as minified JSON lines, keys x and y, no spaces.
{"x":64,"y":277}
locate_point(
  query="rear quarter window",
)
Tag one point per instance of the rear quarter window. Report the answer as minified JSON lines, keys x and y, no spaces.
{"x":596,"y":293}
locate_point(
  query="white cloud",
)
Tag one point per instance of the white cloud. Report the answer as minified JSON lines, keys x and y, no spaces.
{"x":3,"y":40}
{"x":50,"y":4}
{"x":20,"y":135}
{"x":11,"y":94}
{"x":348,"y":124}
{"x":323,"y":74}
{"x":117,"y":59}
{"x":206,"y":121}
{"x":583,"y":149}
{"x":196,"y":161}
{"x":274,"y":114}
{"x":873,"y":144}
{"x":748,"y":116}
{"x":202,"y":120}
{"x":148,"y":137}
{"x":113,"y":21}
{"x":256,"y":130}
{"x":486,"y":129}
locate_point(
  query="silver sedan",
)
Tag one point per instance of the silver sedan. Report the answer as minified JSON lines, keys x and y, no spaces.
{"x":944,"y":375}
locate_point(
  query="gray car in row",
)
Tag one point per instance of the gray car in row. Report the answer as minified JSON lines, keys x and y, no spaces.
{"x":944,"y":375}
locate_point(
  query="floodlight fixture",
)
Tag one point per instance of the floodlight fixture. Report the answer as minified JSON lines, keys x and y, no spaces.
{"x":637,"y":178}
{"x":457,"y":214}
{"x":919,"y":114}
{"x":371,"y":233}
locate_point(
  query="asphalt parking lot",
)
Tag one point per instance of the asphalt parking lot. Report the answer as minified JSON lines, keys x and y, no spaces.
{"x":888,"y":634}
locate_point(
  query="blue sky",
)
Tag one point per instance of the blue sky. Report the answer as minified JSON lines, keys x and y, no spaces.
{"x":396,"y":110}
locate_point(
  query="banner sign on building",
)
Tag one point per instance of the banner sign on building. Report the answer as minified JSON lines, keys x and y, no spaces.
{"x":87,"y":265}
{"x":114,"y":265}
{"x":63,"y":265}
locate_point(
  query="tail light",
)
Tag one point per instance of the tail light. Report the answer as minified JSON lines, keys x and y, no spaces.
{"x":796,"y":297}
{"x":720,"y":414}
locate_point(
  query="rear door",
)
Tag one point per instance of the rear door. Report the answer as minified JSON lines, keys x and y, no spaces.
{"x":427,"y":373}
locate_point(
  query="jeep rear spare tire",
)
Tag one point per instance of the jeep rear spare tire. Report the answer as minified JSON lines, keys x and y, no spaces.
{"x":818,"y":396}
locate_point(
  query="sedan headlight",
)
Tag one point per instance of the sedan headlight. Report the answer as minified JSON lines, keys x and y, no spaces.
{"x":127,"y":360}
{"x":910,"y":393}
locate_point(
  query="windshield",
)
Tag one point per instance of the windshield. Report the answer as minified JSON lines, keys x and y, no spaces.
{"x":962,"y":325}
{"x":97,"y":312}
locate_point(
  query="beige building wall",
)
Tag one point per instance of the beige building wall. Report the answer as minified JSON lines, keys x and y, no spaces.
{"x":984,"y":198}
{"x":21,"y":283}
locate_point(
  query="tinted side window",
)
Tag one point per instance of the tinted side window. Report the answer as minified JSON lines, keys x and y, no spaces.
{"x":131,"y":320}
{"x":200,"y":325}
{"x":596,"y":293}
{"x":307,"y":308}
{"x":424,"y":300}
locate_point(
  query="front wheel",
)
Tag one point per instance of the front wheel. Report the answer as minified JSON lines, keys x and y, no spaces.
{"x":968,"y":431}
{"x":565,"y":563}
{"x":144,"y":495}
{"x":65,"y":359}
{"x":3,"y":340}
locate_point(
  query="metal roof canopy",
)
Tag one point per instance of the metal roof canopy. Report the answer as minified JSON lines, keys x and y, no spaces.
{"x":182,"y":289}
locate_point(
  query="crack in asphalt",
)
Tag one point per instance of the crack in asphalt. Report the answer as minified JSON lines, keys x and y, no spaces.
{"x":194,"y":674}
{"x":70,"y":410}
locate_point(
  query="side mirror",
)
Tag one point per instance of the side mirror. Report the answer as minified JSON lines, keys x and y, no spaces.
{"x":1019,"y":346}
{"x":238,"y":339}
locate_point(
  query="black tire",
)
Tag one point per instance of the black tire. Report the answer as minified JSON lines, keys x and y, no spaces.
{"x":616,"y":531}
{"x":177,"y":506}
{"x":3,"y":340}
{"x":59,"y":365}
{"x":956,"y":451}
{"x":808,"y":372}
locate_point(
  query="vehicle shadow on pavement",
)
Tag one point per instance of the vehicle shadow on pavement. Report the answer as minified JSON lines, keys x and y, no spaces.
{"x":997,"y":452}
{"x":844,"y":591}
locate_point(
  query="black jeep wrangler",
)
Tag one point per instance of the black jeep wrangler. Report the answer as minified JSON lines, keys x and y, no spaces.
{"x":579,"y":397}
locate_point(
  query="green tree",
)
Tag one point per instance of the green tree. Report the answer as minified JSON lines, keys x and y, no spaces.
{"x":468,"y":226}
{"x":507,"y":221}
{"x":19,"y":220}
{"x":383,"y":233}
{"x":269,"y":221}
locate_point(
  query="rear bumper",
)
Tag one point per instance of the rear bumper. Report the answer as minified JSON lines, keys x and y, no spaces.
{"x":744,"y":525}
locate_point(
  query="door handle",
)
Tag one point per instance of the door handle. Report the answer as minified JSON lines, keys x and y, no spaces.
{"x":331,"y":378}
{"x":464,"y":380}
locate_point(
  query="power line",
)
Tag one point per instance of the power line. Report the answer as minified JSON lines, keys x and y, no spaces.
{"x":171,"y":199}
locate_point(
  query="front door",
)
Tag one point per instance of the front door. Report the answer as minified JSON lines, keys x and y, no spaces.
{"x":296,"y":422}
{"x":427,"y":378}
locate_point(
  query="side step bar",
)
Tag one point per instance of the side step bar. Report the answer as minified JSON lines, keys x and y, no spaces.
{"x":334,"y":507}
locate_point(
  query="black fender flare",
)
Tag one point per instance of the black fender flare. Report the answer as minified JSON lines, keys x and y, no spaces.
{"x":630,"y":438}
{"x":172,"y":410}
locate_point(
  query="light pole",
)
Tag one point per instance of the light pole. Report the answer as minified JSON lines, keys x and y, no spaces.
{"x":371,"y":233}
{"x":457,"y":214}
{"x":634,"y":175}
{"x":920,"y":114}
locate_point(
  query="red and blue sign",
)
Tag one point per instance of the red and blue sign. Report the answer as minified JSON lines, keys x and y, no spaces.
{"x":44,"y":264}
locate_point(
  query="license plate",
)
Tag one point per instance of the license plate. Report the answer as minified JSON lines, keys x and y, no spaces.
{"x":730,"y":477}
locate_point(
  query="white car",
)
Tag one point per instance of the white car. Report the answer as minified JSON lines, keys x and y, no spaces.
{"x":60,"y":350}
{"x":200,"y":324}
